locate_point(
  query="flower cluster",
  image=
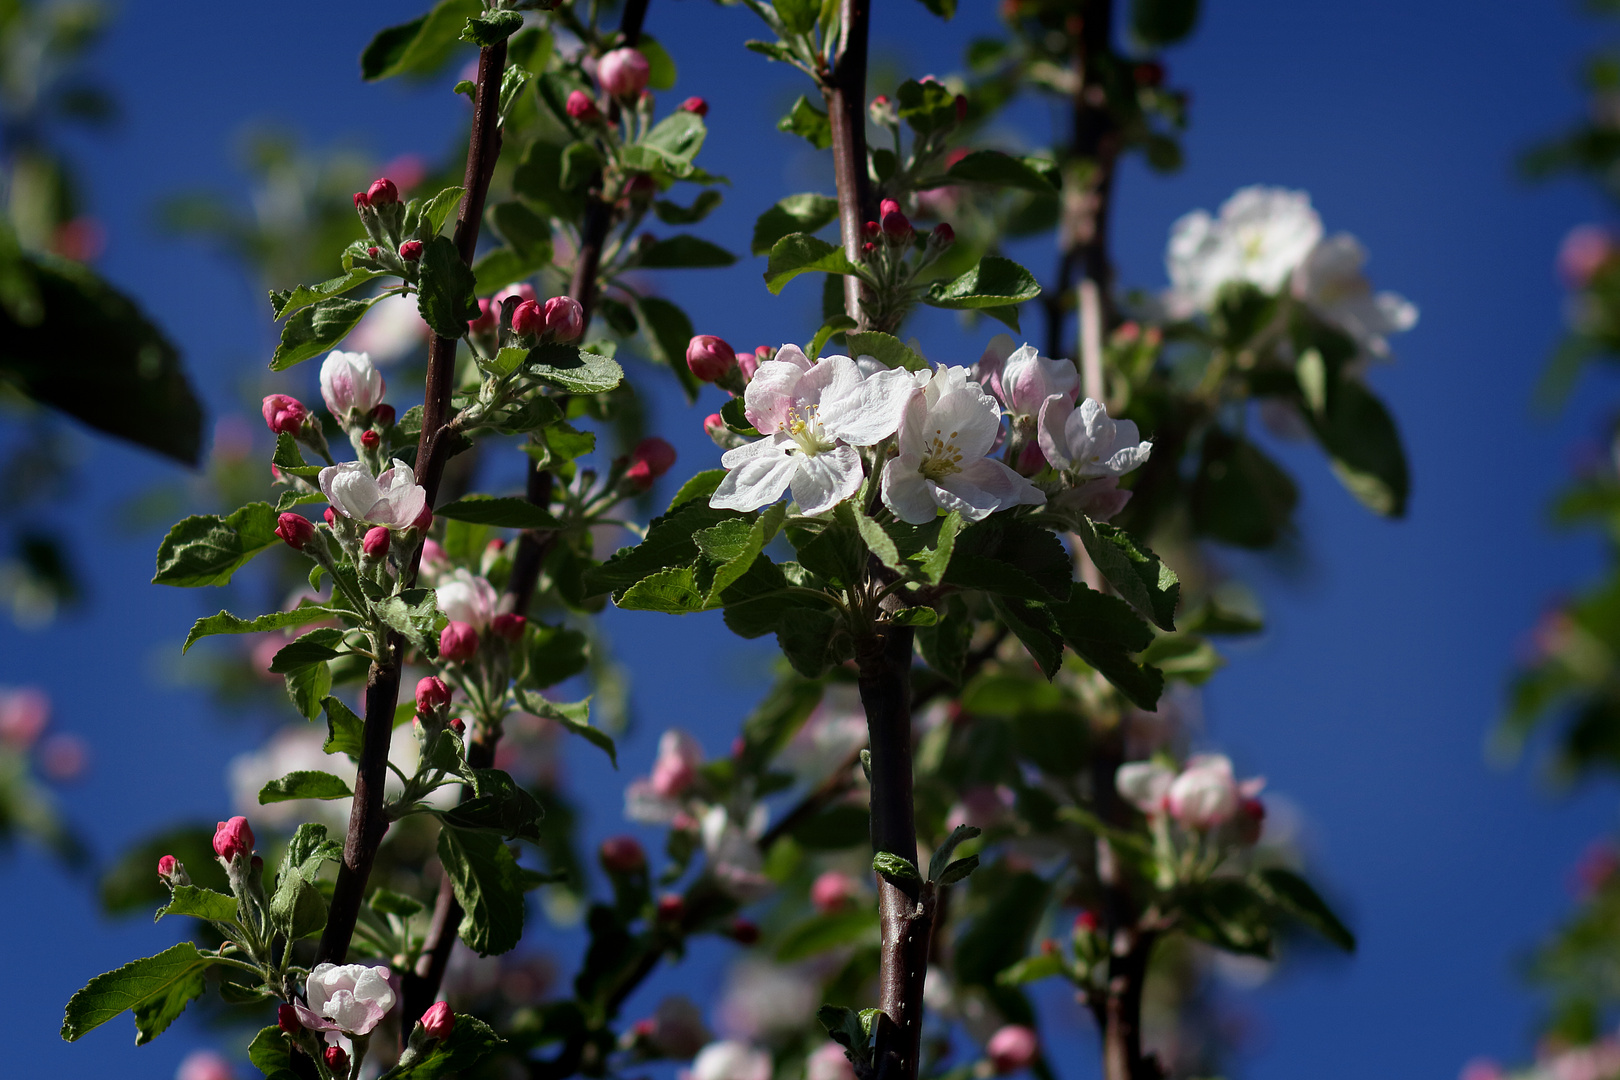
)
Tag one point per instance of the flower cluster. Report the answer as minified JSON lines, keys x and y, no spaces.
{"x":1203,"y":796}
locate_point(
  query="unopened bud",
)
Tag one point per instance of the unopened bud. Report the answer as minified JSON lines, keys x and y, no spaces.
{"x":1085,"y":923}
{"x":336,"y":1060}
{"x":709,"y":358}
{"x":623,"y":72}
{"x":652,"y":458}
{"x":439,"y":1021}
{"x":696,"y":106}
{"x":671,"y":908}
{"x":330,"y":515}
{"x":166,"y":866}
{"x":871,"y":230}
{"x":943,"y":235}
{"x":458,"y":725}
{"x":896,"y":226}
{"x":489,"y":316}
{"x":508,"y":626}
{"x":582,"y":108}
{"x":868,"y":248}
{"x":287,"y":1019}
{"x":744,"y":932}
{"x":233,"y":838}
{"x":296,"y":529}
{"x":384,"y":415}
{"x":284,"y":415}
{"x":622,"y":855}
{"x":1012,"y":1048}
{"x":458,"y":642}
{"x":883,"y":112}
{"x":431,"y":694}
{"x":410,"y":250}
{"x":424,"y":521}
{"x":382,"y":192}
{"x":564,"y":318}
{"x":373,"y":252}
{"x":714,"y":426}
{"x":375,"y":544}
{"x":370,"y":439}
{"x":360,"y":203}
{"x":172,"y":873}
{"x":528,"y":319}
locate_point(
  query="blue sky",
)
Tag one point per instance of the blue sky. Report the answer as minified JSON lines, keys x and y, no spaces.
{"x":1367,"y":702}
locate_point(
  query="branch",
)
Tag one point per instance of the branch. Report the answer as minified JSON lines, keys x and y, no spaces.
{"x":844,"y":91}
{"x":366,"y":823}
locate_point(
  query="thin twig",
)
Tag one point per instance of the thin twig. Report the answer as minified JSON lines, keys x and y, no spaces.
{"x":844,"y":90}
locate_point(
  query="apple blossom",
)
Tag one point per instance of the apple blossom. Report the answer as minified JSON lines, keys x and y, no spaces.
{"x":622,"y":855}
{"x":23,"y":716}
{"x":832,"y":891}
{"x":813,"y":416}
{"x":350,"y":382}
{"x":467,"y":598}
{"x":1144,"y":784}
{"x":458,"y":642}
{"x":623,"y":72}
{"x":1027,"y":379}
{"x":204,"y":1065}
{"x":375,"y":542}
{"x":677,"y":1028}
{"x":1205,"y":794}
{"x":431,"y":694}
{"x":1332,"y":285}
{"x":1086,"y":442}
{"x":296,"y":529}
{"x":1260,"y":237}
{"x":710,"y":358}
{"x":439,"y":1021}
{"x":580,"y":107}
{"x":671,"y":908}
{"x":382,"y":192}
{"x":564,"y":318}
{"x":393,"y":499}
{"x":284,"y":415}
{"x":948,"y":430}
{"x":733,"y":852}
{"x":337,"y":1060}
{"x":730,"y":1060}
{"x":233,"y":838}
{"x":351,"y":998}
{"x":651,"y":458}
{"x":1585,"y":251}
{"x":1012,"y":1048}
{"x":508,"y":626}
{"x":679,"y":757}
{"x":489,"y":317}
{"x":829,"y":1062}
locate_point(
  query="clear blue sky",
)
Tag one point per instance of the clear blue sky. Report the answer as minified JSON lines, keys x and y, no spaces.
{"x":1367,"y":703}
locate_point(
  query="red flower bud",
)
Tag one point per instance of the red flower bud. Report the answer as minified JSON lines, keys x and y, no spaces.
{"x":361,"y":202}
{"x":167,"y":866}
{"x":943,"y":235}
{"x":410,"y":250}
{"x":671,"y":908}
{"x":424,"y":521}
{"x":622,"y":855}
{"x":896,"y":226}
{"x":528,"y":319}
{"x":439,"y":1021}
{"x":868,"y":247}
{"x":232,"y":838}
{"x":695,"y":105}
{"x":495,"y":546}
{"x":296,"y":529}
{"x":431,"y":694}
{"x":638,"y":477}
{"x":714,"y":424}
{"x":508,"y":626}
{"x":330,"y":515}
{"x":458,"y":642}
{"x":1085,"y":923}
{"x":871,"y":229}
{"x":384,"y":415}
{"x":887,"y":207}
{"x":370,"y":439}
{"x":709,"y":358}
{"x":657,"y":454}
{"x":382,"y":192}
{"x":287,"y":1019}
{"x":744,"y":932}
{"x":375,"y":543}
{"x":373,"y":252}
{"x":489,"y":316}
{"x":582,"y":108}
{"x":565,"y":319}
{"x":336,"y":1060}
{"x":623,"y":73}
{"x":284,"y":415}
{"x":458,"y":725}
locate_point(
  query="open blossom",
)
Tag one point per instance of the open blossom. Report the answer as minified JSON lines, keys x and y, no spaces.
{"x":393,"y":499}
{"x":729,"y":1060}
{"x":1207,"y":795}
{"x":1260,"y":237}
{"x":351,"y":998}
{"x":1331,"y":283}
{"x":1086,"y":442}
{"x":813,"y":416}
{"x":948,"y":430}
{"x":350,"y":381}
{"x":829,"y":1062}
{"x":1022,"y":379}
{"x":733,"y":852}
{"x":466,"y":597}
{"x":657,"y":799}
{"x":1144,"y":784}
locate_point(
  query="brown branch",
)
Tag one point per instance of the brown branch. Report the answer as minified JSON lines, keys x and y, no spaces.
{"x":844,"y":91}
{"x":366,"y":822}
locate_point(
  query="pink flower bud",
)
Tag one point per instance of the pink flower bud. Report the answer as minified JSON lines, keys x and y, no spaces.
{"x":943,"y":235}
{"x":296,"y":529}
{"x":871,"y":230}
{"x":360,"y":203}
{"x":431,"y":694}
{"x":696,"y":106}
{"x":508,"y":626}
{"x":336,"y":1060}
{"x":284,"y":415}
{"x":287,"y":1019}
{"x":1012,"y":1048}
{"x":232,"y":838}
{"x":489,"y":316}
{"x":714,"y":426}
{"x":167,"y":867}
{"x":370,"y":439}
{"x":1583,"y":253}
{"x":424,"y":521}
{"x":671,"y":908}
{"x":744,"y":932}
{"x":330,"y":515}
{"x":495,"y":546}
{"x":657,"y":454}
{"x":831,"y":891}
{"x":565,"y":319}
{"x":709,"y":358}
{"x":384,"y":415}
{"x":373,"y":252}
{"x":868,"y":248}
{"x":382,"y":192}
{"x":375,"y":544}
{"x":623,"y":73}
{"x":458,"y":642}
{"x":748,"y":363}
{"x":439,"y":1021}
{"x":410,"y":250}
{"x":887,"y":207}
{"x":458,"y":725}
{"x":1085,"y":923}
{"x":582,"y":108}
{"x":528,"y":319}
{"x":622,"y":855}
{"x":896,"y":226}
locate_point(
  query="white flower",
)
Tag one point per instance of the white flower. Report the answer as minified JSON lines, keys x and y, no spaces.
{"x":466,"y":597}
{"x":730,"y":1060}
{"x":1205,"y":794}
{"x":350,"y":381}
{"x":947,"y":431}
{"x":351,"y":998}
{"x":1027,"y":379}
{"x":1331,"y":283}
{"x":1144,"y":784}
{"x":734,"y":856}
{"x":765,"y":1001}
{"x":1262,"y":234}
{"x":829,"y":1062}
{"x":656,"y":799}
{"x":393,"y":499}
{"x":813,"y":416}
{"x":1086,"y":442}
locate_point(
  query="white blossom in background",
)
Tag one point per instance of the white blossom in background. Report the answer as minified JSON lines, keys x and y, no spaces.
{"x":466,"y":597}
{"x":948,"y":429}
{"x":351,"y":998}
{"x":1261,"y":236}
{"x":1331,"y":284}
{"x":1086,"y":441}
{"x":204,"y":1065}
{"x":349,"y":380}
{"x":656,"y":799}
{"x":391,"y":330}
{"x":829,"y":737}
{"x":763,"y":1000}
{"x":829,"y":1062}
{"x":729,"y":1060}
{"x":733,"y":851}
{"x":297,"y":748}
{"x":677,"y":1028}
{"x":393,"y":499}
{"x":1144,"y":784}
{"x":813,"y":416}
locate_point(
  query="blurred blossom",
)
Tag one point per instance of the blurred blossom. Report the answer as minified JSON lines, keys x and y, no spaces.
{"x":1260,"y":237}
{"x":466,"y":597}
{"x":829,"y":737}
{"x":63,"y":757}
{"x":656,"y":799}
{"x":983,"y":807}
{"x":294,"y":748}
{"x":729,"y":1061}
{"x":677,"y":1029}
{"x":390,"y":331}
{"x":204,"y":1065}
{"x":1584,"y":251}
{"x":528,"y":749}
{"x":762,"y":1000}
{"x":734,"y":856}
{"x":1596,"y":866}
{"x":829,"y":1062}
{"x":23,"y":715}
{"x":1331,"y":283}
{"x":406,"y":171}
{"x":1481,"y":1069}
{"x":1242,"y":972}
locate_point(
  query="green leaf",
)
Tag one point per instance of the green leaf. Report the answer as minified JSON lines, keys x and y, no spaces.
{"x":1360,"y":435}
{"x":289,"y":459}
{"x":1104,"y":631}
{"x":291,"y":301}
{"x":1011,"y":557}
{"x":896,"y":868}
{"x":803,"y":213}
{"x":575,"y":717}
{"x":552,"y":654}
{"x":470,"y":1041}
{"x":887,"y":349}
{"x":316,"y":329}
{"x":271,"y":1054}
{"x":157,"y":988}
{"x":830,"y":931}
{"x":199,"y":903}
{"x":958,"y":870}
{"x":926,"y":106}
{"x":414,"y":613}
{"x":226,"y":623}
{"x":500,"y":267}
{"x":315,"y":647}
{"x":668,"y":331}
{"x":298,"y":907}
{"x":432,"y":215}
{"x":995,"y":282}
{"x":1294,"y":894}
{"x":1240,"y":496}
{"x":304,"y":784}
{"x":492,"y":28}
{"x":797,"y":254}
{"x":670,"y":146}
{"x":447,"y":300}
{"x":1001,"y":170}
{"x":835,"y":325}
{"x":671,"y":213}
{"x":345,"y":732}
{"x":1032,"y":624}
{"x":575,"y":370}
{"x":1230,"y":914}
{"x":500,"y":512}
{"x":307,"y":686}
{"x":389,"y":902}
{"x":1142,"y":580}
{"x":945,"y":9}
{"x":421,"y":46}
{"x":1031,"y":969}
{"x":487,"y":884}
{"x":684,"y":251}
{"x":1163,"y":22}
{"x":807,"y":122}
{"x":805,"y":637}
{"x":498,"y":806}
{"x":669,"y":543}
{"x":942,"y":854}
{"x":87,"y":350}
{"x":207,"y":550}
{"x":701,"y":486}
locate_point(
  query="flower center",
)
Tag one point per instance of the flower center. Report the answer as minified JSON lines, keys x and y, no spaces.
{"x":942,"y":457}
{"x":804,"y":424}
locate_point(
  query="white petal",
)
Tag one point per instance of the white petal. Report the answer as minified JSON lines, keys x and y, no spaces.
{"x":867,"y":411}
{"x":771,"y":395}
{"x":1050,"y":430}
{"x":822,"y":481}
{"x":966,"y":419}
{"x":792,"y":354}
{"x":758,"y":481}
{"x":907,"y":493}
{"x":995,"y":479}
